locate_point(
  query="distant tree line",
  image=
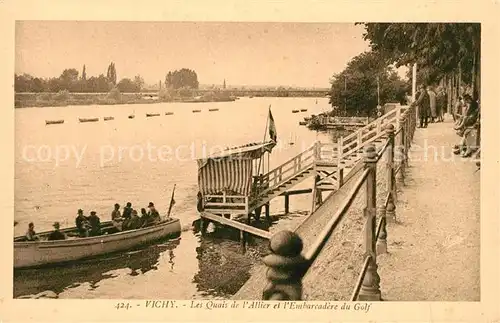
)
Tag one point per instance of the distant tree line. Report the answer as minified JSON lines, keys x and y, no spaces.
{"x":183,"y":78}
{"x":70,"y":80}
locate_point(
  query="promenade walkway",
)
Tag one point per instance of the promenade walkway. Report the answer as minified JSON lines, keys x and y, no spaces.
{"x":434,"y":249}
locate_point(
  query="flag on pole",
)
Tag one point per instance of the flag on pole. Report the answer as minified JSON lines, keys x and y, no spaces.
{"x":272,"y":127}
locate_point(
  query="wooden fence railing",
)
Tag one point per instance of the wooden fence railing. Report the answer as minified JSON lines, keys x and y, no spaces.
{"x":287,"y":264}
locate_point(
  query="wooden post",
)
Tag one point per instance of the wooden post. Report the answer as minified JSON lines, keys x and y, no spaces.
{"x":340,"y":181}
{"x":287,"y":203}
{"x":285,"y":267}
{"x":243,"y":241}
{"x":370,"y":288}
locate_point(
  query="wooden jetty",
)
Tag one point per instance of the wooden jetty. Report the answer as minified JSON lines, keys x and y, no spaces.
{"x":47,"y":122}
{"x":88,"y":119}
{"x":224,"y":198}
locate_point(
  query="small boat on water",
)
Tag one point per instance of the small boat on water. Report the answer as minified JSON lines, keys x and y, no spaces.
{"x":213,"y":109}
{"x":295,"y":111}
{"x":44,"y":252}
{"x":109,"y":118}
{"x":152,"y":115}
{"x":53,"y":122}
{"x":303,"y":110}
{"x":131,"y":116}
{"x":303,"y":123}
{"x":195,"y":111}
{"x":307,"y":118}
{"x":88,"y":119}
{"x":169,"y":113}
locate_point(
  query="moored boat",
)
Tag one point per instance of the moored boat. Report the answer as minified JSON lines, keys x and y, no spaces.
{"x":303,"y":110}
{"x":213,"y":109}
{"x":53,"y":122}
{"x":195,"y":111}
{"x":152,"y":115}
{"x":88,"y":119}
{"x":44,"y":252}
{"x":109,"y":118}
{"x":303,"y":123}
{"x":169,"y":113}
{"x":295,"y":111}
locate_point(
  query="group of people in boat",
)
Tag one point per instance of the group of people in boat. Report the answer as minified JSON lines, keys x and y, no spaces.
{"x":90,"y":226}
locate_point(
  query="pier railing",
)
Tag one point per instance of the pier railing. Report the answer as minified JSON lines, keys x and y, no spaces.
{"x":287,"y":264}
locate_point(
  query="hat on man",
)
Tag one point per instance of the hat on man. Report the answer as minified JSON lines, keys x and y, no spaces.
{"x":151,"y":204}
{"x":80,"y":211}
{"x":129,"y":204}
{"x":92,"y":213}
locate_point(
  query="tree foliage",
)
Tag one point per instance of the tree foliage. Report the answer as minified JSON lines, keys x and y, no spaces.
{"x":354,"y":90}
{"x":111,"y":74}
{"x":437,"y":48}
{"x":183,"y":78}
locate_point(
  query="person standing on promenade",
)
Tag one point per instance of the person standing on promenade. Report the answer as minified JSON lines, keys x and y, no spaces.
{"x":432,"y":103}
{"x":443,"y":103}
{"x":423,"y":105}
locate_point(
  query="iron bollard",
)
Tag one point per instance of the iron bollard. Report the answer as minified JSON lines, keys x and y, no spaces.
{"x":286,"y":266}
{"x":381,"y":245}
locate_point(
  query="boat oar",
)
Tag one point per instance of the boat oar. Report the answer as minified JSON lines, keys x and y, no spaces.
{"x":172,"y":202}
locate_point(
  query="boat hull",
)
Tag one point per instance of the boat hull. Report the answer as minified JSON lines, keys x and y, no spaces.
{"x":41,"y":253}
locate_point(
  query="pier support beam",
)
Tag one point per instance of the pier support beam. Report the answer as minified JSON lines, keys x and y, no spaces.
{"x":287,"y":204}
{"x":243,"y":241}
{"x":268,"y":211}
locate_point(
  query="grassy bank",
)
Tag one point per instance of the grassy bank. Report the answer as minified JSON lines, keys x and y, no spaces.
{"x":64,"y":98}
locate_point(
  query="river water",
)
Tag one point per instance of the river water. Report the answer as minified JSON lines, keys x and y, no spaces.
{"x":61,"y":168}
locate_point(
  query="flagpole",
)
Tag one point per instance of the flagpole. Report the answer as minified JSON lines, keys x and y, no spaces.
{"x":171,"y":200}
{"x":263,"y":140}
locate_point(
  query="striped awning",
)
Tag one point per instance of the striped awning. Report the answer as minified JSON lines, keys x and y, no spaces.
{"x":230,"y":170}
{"x":225,"y":174}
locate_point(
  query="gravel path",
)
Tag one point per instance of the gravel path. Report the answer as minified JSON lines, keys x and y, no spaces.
{"x":433,"y":248}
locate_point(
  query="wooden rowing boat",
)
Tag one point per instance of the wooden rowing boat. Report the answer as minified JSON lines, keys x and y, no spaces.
{"x":44,"y":252}
{"x":303,"y":110}
{"x":214,"y":109}
{"x":169,"y":113}
{"x":195,"y":111}
{"x":88,"y":119}
{"x":109,"y":118}
{"x":131,"y":116}
{"x":54,"y":121}
{"x":152,"y":115}
{"x":295,"y":111}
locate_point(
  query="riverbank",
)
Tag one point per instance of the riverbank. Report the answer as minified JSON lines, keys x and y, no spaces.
{"x":61,"y":99}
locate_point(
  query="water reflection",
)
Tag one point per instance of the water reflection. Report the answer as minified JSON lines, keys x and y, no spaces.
{"x":92,"y":271}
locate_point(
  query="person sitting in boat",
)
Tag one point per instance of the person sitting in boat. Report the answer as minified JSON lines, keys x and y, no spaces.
{"x":153,"y":213}
{"x":127,"y":211}
{"x":95,"y":224}
{"x":116,"y":217}
{"x":145,"y":219}
{"x":56,"y":234}
{"x":135,"y":221}
{"x":31,"y":234}
{"x":82,"y":224}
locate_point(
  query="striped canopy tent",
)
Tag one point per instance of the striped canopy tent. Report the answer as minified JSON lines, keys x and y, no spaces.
{"x":230,"y":170}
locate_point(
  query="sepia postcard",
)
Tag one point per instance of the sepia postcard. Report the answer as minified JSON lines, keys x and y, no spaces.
{"x":235,"y":161}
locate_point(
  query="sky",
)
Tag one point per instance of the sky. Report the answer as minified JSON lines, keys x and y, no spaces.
{"x":288,"y":54}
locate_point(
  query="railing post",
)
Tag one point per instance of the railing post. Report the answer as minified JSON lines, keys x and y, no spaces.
{"x":287,"y":203}
{"x":340,"y":151}
{"x":390,"y":211}
{"x":381,"y":245}
{"x":401,"y":155}
{"x":285,"y":267}
{"x":370,"y":288}
{"x":360,"y":140}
